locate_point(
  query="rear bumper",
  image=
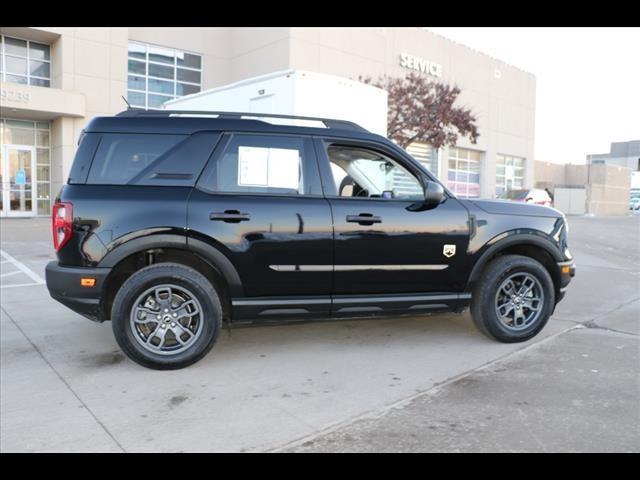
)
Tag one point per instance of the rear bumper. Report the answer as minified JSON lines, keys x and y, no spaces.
{"x":64,"y":286}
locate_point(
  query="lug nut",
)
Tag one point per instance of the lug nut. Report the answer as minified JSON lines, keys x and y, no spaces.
{"x":173,"y":324}
{"x":158,"y":317}
{"x":166,"y":310}
{"x":175,"y":314}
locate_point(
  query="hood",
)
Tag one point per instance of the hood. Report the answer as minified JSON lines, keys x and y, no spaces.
{"x":508,"y":207}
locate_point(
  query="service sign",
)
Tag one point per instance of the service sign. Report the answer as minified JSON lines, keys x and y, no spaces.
{"x":424,"y":66}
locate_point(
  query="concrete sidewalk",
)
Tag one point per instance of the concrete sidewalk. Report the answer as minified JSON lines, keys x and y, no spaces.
{"x":577,"y":392}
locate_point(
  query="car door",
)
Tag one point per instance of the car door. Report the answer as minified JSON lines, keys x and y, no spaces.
{"x":259,"y":201}
{"x":383,"y":245}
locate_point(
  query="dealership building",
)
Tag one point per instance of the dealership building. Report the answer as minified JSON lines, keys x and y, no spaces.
{"x":54,"y":80}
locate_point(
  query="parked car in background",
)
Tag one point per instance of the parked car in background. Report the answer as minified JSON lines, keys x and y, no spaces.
{"x":634,"y":204}
{"x":528,"y":195}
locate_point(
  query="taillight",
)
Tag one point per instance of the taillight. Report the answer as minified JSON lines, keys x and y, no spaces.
{"x":61,"y":221}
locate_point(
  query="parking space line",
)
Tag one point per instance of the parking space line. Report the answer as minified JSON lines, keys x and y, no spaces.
{"x":14,"y":285}
{"x":9,"y":274}
{"x":26,"y":270}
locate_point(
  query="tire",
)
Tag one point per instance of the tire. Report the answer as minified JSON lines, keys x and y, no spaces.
{"x":176,"y":296}
{"x":488,"y":296}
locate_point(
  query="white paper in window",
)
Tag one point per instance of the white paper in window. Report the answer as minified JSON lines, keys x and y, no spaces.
{"x":284,"y":168}
{"x":253,"y":166}
{"x":268,"y":167}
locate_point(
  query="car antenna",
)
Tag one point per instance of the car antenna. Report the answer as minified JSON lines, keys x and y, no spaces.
{"x":125,"y":101}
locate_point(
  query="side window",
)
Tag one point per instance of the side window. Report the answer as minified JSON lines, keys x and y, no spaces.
{"x":360,"y":172}
{"x":262,"y":164}
{"x":120,"y":157}
{"x":87,"y":144}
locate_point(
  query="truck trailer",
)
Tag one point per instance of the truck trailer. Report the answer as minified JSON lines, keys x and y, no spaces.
{"x":296,"y":93}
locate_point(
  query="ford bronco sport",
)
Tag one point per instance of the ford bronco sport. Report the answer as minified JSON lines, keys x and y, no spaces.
{"x":173,"y":222}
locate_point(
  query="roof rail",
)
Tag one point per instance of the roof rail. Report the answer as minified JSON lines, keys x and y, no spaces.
{"x":329,"y":123}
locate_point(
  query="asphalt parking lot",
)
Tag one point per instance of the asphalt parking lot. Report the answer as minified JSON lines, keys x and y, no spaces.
{"x":430,"y":383}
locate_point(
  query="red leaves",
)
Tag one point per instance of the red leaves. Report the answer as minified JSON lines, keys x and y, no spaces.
{"x":422,"y":110}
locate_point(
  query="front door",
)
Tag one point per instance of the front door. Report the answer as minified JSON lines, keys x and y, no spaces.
{"x":18,"y":181}
{"x":381,"y":245}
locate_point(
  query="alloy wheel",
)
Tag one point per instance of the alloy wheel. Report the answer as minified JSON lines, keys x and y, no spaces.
{"x":519,"y":301}
{"x":166,"y":319}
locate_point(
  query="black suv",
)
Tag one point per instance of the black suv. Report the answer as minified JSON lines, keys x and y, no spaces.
{"x":173,"y":222}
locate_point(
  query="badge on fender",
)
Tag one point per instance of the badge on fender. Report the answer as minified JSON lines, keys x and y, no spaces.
{"x":449,"y":251}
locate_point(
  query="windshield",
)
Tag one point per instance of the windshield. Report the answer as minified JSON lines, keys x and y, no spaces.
{"x":515,"y":194}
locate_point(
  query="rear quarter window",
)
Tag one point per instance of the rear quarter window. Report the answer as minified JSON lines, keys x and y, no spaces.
{"x":87,"y":145}
{"x":121,"y":157}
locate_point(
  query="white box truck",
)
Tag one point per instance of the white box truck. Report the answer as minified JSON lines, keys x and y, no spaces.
{"x":296,"y":93}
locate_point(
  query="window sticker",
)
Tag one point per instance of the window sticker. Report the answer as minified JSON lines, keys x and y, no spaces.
{"x":268,"y":167}
{"x":253,"y":166}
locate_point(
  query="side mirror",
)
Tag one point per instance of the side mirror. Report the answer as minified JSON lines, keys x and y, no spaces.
{"x":433,"y":193}
{"x":433,"y":196}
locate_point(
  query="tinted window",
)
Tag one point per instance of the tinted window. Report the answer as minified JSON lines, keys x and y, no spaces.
{"x":262,"y":164}
{"x":87,"y":145}
{"x":120,"y":157}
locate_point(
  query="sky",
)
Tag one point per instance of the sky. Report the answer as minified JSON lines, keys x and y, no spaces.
{"x":587,"y":83}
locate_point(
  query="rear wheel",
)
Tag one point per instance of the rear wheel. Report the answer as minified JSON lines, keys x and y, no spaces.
{"x":166,"y":316}
{"x":513,"y":299}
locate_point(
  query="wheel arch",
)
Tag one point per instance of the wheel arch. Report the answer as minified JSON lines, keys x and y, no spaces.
{"x":536,"y":247}
{"x":130,"y":257}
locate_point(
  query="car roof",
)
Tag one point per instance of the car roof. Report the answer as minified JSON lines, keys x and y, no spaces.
{"x":186,"y":123}
{"x":162,"y":122}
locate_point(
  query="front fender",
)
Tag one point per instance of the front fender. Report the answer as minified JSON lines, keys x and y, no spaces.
{"x":508,"y":239}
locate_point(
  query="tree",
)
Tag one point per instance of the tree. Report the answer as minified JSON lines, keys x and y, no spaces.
{"x":421,"y":110}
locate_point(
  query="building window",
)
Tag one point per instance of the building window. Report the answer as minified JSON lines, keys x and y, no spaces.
{"x":36,"y":135}
{"x":426,"y":155}
{"x":463,"y":177}
{"x":158,"y":74}
{"x":509,"y":173}
{"x":24,"y":61}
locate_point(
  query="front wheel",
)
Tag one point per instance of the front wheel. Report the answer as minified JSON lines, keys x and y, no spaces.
{"x":513,"y":299}
{"x":166,"y":316}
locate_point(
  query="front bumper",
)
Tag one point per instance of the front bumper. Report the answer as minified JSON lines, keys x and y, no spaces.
{"x":65,"y":287}
{"x":567,"y":272}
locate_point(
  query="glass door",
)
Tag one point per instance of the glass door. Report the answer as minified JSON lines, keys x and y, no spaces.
{"x":18,"y":180}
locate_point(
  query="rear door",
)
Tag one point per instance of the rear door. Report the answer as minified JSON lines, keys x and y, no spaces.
{"x":259,"y":201}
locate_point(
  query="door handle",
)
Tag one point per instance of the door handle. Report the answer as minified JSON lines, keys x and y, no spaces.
{"x":229,"y":216}
{"x":364,"y":219}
